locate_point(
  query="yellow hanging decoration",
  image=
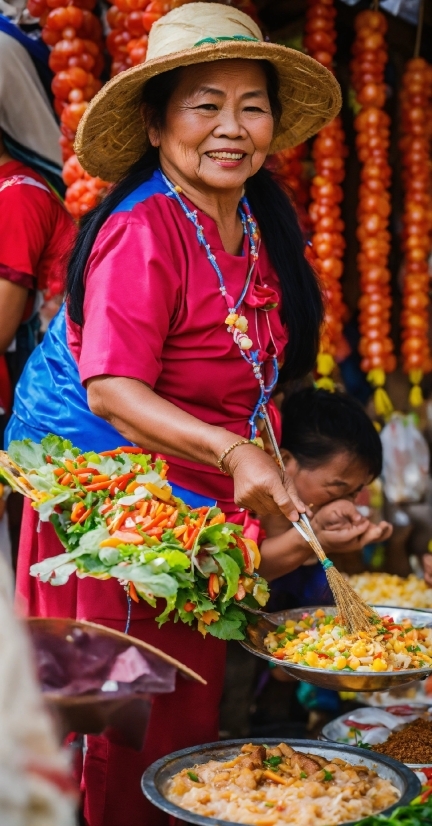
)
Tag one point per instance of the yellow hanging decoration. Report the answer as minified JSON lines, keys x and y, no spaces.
{"x":325,"y":367}
{"x":415,"y":397}
{"x":383,"y":405}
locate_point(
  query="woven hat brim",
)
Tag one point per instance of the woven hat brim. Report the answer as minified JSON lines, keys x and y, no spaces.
{"x":111,"y":135}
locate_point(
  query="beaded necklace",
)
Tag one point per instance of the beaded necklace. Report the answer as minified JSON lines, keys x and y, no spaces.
{"x":236,"y":322}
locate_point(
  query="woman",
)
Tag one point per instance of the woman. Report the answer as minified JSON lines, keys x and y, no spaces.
{"x":161,"y":274}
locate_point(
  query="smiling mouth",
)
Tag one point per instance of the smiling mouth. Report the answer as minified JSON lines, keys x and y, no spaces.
{"x":226,"y":156}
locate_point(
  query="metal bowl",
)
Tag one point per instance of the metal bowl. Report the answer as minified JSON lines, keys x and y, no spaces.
{"x":338,"y":680}
{"x":158,"y":775}
{"x":331,"y":732}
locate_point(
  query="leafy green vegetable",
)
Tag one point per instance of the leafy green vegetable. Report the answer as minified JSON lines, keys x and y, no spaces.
{"x":231,"y":572}
{"x":303,"y":776}
{"x":230,"y":626}
{"x":194,"y":777}
{"x":27,"y":454}
{"x":272,"y":762}
{"x":327,"y":776}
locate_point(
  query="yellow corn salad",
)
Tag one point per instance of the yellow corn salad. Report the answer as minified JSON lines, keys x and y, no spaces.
{"x":318,"y":640}
{"x":389,"y":589}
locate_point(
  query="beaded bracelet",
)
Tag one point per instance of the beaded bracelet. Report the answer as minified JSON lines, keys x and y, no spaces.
{"x":228,"y":450}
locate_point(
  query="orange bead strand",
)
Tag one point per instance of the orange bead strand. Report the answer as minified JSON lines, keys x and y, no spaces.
{"x":329,"y":152}
{"x":372,"y":125}
{"x":415,"y":145}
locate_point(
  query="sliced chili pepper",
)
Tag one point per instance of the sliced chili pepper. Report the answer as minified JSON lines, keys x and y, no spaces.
{"x":110,"y":452}
{"x":122,"y":481}
{"x":143,"y":509}
{"x":97,"y":486}
{"x":213,"y":586}
{"x":77,"y":511}
{"x":59,"y":471}
{"x":130,"y":449}
{"x":128,"y":537}
{"x":173,"y":519}
{"x":70,"y":466}
{"x":132,"y":486}
{"x":80,"y":459}
{"x":66,"y":479}
{"x":249,"y":566}
{"x":178,"y":532}
{"x":48,"y":460}
{"x":85,"y":515}
{"x":189,"y":543}
{"x":133,"y":593}
{"x":189,"y":607}
{"x":121,"y":519}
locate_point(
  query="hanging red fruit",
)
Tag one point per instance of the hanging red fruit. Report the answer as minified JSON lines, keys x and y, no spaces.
{"x":372,"y":143}
{"x":415,"y":145}
{"x":329,"y":152}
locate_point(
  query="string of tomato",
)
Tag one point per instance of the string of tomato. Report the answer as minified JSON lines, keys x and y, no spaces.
{"x":372,"y":143}
{"x":415,"y":144}
{"x":328,"y":152}
{"x":75,"y":37}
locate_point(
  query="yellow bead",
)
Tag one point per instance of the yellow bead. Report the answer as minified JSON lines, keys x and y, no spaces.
{"x":246,"y":343}
{"x":241,"y":324}
{"x":231,"y":319}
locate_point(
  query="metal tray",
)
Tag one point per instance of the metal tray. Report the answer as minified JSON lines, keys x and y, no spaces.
{"x":338,"y":680}
{"x":157,"y":776}
{"x":330,"y":733}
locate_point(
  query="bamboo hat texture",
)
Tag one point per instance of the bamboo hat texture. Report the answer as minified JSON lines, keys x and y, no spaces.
{"x":111,"y":135}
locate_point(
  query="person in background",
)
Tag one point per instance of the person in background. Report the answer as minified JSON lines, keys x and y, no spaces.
{"x":36,"y":231}
{"x":331,"y":450}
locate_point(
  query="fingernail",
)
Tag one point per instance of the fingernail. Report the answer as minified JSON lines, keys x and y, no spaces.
{"x":293,"y":517}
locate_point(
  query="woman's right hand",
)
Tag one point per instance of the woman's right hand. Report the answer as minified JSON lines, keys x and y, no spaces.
{"x":258,"y":486}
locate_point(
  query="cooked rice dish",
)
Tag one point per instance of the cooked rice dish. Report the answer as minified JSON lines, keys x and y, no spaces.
{"x":319,"y":640}
{"x":279,"y":786}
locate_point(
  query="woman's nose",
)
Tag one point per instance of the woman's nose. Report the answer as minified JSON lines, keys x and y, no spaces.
{"x":229,"y":126}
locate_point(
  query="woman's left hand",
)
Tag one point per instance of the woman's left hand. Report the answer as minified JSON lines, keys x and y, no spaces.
{"x":341,"y":528}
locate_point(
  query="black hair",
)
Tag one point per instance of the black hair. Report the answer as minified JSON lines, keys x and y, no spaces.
{"x":302,"y":307}
{"x":316,"y":425}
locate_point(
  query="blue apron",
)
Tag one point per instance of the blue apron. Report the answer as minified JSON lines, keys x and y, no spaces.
{"x":50,"y":398}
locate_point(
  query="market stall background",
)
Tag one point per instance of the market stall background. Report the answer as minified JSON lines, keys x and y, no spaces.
{"x":362,"y":186}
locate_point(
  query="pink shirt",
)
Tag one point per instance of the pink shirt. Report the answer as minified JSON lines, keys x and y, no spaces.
{"x":153,"y":311}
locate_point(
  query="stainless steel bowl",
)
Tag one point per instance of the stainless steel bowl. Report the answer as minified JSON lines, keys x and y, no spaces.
{"x":155,"y":780}
{"x":338,"y":680}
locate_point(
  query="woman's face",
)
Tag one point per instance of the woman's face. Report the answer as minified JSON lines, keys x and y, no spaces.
{"x":342,"y":476}
{"x":218,"y":126}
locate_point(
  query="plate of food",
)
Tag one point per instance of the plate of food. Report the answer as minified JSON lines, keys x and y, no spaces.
{"x":401,"y":732}
{"x":275,"y":784}
{"x":313,"y":646}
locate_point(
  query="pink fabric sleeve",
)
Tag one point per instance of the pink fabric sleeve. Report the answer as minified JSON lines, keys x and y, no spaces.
{"x":132,"y":290}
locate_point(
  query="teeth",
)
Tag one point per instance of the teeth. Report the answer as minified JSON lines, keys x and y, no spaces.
{"x":226,"y":156}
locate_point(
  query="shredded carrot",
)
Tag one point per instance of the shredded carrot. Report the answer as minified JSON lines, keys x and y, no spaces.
{"x":132,"y":592}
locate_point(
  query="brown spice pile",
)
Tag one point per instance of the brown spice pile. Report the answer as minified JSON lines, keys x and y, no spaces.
{"x":413,"y":744}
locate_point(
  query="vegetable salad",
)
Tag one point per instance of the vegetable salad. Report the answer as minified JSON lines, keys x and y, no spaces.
{"x":318,"y":640}
{"x":117,"y":517}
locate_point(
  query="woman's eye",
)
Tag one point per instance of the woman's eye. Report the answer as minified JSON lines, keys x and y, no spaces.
{"x":254,"y":109}
{"x":209,"y":107}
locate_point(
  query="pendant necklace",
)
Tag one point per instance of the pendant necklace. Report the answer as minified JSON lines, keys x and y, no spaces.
{"x":237,"y":323}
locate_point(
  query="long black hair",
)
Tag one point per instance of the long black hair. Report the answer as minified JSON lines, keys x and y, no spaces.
{"x":274,"y":213}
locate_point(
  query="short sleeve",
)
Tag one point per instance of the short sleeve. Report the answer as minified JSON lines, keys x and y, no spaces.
{"x":131,"y":294}
{"x":24,"y":227}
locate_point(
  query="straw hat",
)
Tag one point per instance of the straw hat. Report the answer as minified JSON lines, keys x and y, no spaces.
{"x":111,"y":135}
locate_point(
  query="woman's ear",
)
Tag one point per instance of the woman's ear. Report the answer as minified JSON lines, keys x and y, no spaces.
{"x":290,"y":463}
{"x":152,"y":130}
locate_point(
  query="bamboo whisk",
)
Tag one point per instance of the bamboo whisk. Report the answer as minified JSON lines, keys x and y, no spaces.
{"x":355,"y":614}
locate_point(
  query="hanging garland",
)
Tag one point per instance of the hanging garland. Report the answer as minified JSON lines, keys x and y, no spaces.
{"x":74,"y":35}
{"x":329,"y":152}
{"x":415,"y":147}
{"x":372,"y":143}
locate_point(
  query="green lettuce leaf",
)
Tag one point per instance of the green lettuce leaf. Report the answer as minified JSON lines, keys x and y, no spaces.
{"x":56,"y":447}
{"x":159,"y":585}
{"x":231,"y":572}
{"x":229,"y":626}
{"x":46,"y":508}
{"x":176,"y":559}
{"x":27,"y":454}
{"x":219,"y":537}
